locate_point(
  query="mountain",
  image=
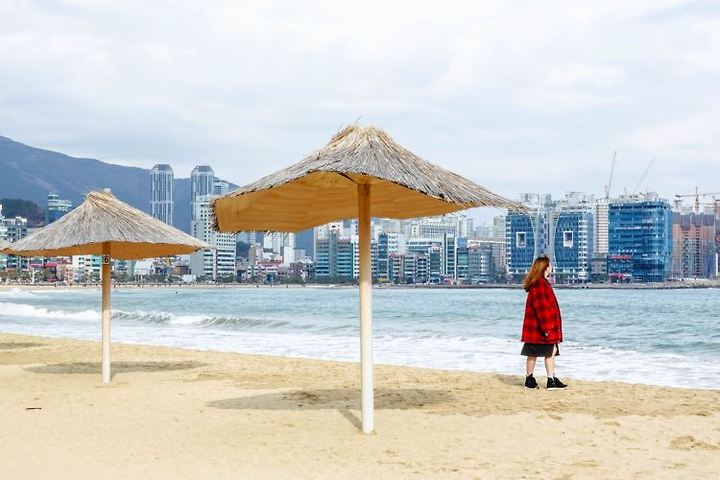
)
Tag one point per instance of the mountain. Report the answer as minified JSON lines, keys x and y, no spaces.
{"x":14,"y":207}
{"x":31,"y":173}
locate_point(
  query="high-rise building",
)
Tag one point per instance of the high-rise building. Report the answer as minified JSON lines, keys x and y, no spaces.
{"x":601,"y":227}
{"x":161,"y":193}
{"x":202,"y":181}
{"x":694,"y":245}
{"x":276,"y":245}
{"x":3,"y":238}
{"x":639,"y":239}
{"x":574,"y":228}
{"x":461,"y":260}
{"x":334,"y":256}
{"x":216,"y":263}
{"x":498,"y":228}
{"x":381,"y":262}
{"x":56,"y":208}
{"x":450,"y":256}
{"x":528,"y":234}
{"x":479,"y":263}
{"x":563,"y":230}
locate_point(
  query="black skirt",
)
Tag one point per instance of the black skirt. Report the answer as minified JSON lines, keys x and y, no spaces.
{"x":539,"y":349}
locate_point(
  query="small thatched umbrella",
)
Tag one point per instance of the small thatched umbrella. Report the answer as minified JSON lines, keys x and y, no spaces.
{"x":361,"y":173}
{"x":103,"y":225}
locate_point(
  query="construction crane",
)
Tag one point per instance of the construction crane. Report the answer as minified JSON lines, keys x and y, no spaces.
{"x":697,"y":196}
{"x":642,"y":177}
{"x":612,"y":171}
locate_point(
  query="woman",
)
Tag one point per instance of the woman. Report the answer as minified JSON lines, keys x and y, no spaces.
{"x":542,"y":327}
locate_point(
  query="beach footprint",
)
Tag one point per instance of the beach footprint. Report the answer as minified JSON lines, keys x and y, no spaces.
{"x":688,"y":442}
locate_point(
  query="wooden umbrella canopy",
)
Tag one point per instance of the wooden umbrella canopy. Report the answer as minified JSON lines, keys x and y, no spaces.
{"x":103,"y":225}
{"x":361,"y":173}
{"x":103,"y":219}
{"x":323,"y":187}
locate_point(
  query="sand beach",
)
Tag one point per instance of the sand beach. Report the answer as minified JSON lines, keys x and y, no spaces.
{"x":185,"y":414}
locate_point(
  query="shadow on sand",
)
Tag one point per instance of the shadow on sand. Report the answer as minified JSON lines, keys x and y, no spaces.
{"x":16,"y":345}
{"x":342,"y":400}
{"x":116,"y":367}
{"x":512,"y":380}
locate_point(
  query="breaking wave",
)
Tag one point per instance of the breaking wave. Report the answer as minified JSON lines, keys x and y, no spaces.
{"x":12,"y":310}
{"x":8,"y":309}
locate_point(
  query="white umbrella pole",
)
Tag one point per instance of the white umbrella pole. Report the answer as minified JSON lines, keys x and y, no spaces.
{"x":366,"y":358}
{"x":106,"y":313}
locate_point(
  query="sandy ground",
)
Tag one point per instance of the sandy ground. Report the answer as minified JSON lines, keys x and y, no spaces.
{"x":181,"y":414}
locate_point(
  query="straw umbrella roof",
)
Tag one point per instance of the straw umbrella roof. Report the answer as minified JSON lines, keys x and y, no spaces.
{"x":4,"y":245}
{"x":323,"y":187}
{"x":101,"y":219}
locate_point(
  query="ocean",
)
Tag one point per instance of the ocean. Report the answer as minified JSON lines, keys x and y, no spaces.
{"x":657,"y":337}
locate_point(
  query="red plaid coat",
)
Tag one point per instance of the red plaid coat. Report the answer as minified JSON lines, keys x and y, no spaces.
{"x":543,"y":323}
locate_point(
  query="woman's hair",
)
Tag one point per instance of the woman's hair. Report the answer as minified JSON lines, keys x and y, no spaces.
{"x":537,"y":271}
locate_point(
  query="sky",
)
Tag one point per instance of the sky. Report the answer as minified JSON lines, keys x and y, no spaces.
{"x":519,"y":96}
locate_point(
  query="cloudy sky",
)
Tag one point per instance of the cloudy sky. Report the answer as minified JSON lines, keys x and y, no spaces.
{"x":516,"y":95}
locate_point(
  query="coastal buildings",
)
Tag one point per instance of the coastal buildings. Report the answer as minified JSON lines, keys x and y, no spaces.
{"x":161,"y":193}
{"x":528,"y":235}
{"x":639,"y":238}
{"x":56,"y":208}
{"x":425,"y":250}
{"x":562,"y":230}
{"x":694,"y":250}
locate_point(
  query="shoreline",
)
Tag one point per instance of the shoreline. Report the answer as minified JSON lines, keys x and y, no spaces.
{"x":178,"y":413}
{"x":490,"y":286}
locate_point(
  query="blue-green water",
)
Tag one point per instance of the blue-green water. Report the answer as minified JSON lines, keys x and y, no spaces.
{"x":665,"y":337}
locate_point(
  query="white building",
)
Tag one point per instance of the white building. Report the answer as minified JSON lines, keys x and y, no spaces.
{"x":601,"y":226}
{"x":437,"y":227}
{"x":280,"y":244}
{"x":211,"y":263}
{"x":3,"y":238}
{"x":86,"y":268}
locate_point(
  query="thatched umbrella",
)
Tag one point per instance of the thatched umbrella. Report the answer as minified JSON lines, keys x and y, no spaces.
{"x":103,"y":225}
{"x":360,"y":173}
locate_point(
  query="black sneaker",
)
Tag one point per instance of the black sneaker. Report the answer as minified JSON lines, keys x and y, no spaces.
{"x":555,"y":384}
{"x":530,"y":382}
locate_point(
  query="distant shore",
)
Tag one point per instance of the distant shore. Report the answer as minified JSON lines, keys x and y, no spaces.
{"x":510,"y":286}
